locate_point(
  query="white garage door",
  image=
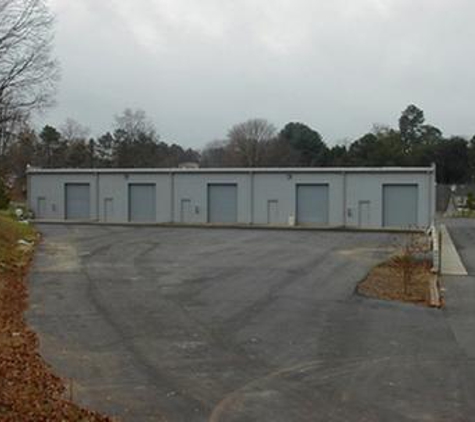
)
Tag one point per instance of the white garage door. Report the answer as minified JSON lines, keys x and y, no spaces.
{"x":222,"y":203}
{"x":312,"y":204}
{"x":77,"y":201}
{"x":142,"y":203}
{"x":400,"y":205}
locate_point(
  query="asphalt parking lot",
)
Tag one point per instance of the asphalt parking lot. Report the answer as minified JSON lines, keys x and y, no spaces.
{"x":222,"y":325}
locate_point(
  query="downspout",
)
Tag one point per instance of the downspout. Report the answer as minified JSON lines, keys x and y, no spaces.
{"x":429,"y":195}
{"x":251,"y":202}
{"x":28,"y":191}
{"x":433,"y":193}
{"x":434,"y":199}
{"x":345,"y":200}
{"x":172,"y":197}
{"x":97,"y":197}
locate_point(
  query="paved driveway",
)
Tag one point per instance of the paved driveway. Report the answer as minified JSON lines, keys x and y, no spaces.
{"x":460,"y":310}
{"x":240,"y":325}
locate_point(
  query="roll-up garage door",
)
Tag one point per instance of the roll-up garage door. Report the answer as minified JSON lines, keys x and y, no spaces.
{"x":312,"y":204}
{"x":400,"y":205}
{"x":222,"y":203}
{"x":78,"y":201}
{"x":142,"y":202}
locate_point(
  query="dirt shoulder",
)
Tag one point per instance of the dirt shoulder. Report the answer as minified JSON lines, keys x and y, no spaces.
{"x":29,"y":391}
{"x":406,"y":277}
{"x":386,"y":282}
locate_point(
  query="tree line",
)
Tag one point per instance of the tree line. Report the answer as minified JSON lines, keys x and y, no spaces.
{"x":413,"y":143}
{"x":134,"y":142}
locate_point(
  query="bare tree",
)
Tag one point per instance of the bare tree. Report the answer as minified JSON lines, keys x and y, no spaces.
{"x":28,"y":72}
{"x":23,"y":151}
{"x":247,"y":139}
{"x":217,"y":154}
{"x":9,"y":129}
{"x":133,"y":124}
{"x":136,"y":141}
{"x":72,"y":131}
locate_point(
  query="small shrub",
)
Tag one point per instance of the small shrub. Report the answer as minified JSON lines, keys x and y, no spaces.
{"x":406,"y":261}
{"x":470,"y":201}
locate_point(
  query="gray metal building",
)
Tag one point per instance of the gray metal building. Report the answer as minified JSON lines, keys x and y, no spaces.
{"x":336,"y":197}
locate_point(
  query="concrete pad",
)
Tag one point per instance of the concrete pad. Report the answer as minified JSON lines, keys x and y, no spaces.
{"x":451,"y":263}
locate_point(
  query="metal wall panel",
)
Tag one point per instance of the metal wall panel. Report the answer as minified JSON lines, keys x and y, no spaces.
{"x":222,"y":203}
{"x":346,"y":189}
{"x":142,"y":202}
{"x":400,"y":205}
{"x":78,"y":201}
{"x":312,"y":204}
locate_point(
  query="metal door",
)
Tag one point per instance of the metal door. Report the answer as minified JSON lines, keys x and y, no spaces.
{"x":222,"y":203}
{"x":41,"y":208}
{"x":142,"y":202}
{"x":272,"y":212}
{"x":108,"y":209}
{"x":185,"y":211}
{"x":78,"y":201}
{"x":364,"y":213}
{"x":312,"y":204}
{"x":400,"y":205}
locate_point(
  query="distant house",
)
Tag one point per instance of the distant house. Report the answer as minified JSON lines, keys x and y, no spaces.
{"x":189,"y":165}
{"x":452,"y":198}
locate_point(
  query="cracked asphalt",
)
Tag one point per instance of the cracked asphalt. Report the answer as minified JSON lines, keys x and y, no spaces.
{"x":223,"y":325}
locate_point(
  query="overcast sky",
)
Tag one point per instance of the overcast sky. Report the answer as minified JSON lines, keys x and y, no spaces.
{"x":198,"y":67}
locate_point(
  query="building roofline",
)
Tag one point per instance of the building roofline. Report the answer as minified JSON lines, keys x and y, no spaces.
{"x":244,"y":170}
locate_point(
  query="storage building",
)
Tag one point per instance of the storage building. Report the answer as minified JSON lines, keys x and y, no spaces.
{"x":332,"y":197}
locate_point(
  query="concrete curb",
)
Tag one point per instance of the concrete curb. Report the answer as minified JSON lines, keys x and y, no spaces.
{"x":436,"y":244}
{"x":233,"y":226}
{"x":436,"y":299}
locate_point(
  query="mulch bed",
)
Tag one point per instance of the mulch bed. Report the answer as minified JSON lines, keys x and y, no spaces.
{"x":386,"y":282}
{"x":29,"y":391}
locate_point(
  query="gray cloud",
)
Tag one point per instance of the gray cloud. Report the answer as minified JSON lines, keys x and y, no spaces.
{"x":199,"y":67}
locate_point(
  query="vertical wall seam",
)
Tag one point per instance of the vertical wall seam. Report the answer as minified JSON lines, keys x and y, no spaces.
{"x":429,"y":193}
{"x":434,"y":192}
{"x":97,"y":196}
{"x":345,"y":199}
{"x":172,"y":197}
{"x":251,"y":174}
{"x":28,"y":192}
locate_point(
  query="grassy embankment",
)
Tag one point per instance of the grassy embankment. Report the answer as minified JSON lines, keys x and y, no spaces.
{"x":29,"y":391}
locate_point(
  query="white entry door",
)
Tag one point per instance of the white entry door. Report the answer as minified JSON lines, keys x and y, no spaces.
{"x":364,"y":213}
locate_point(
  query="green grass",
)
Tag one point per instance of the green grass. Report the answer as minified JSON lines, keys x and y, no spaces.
{"x":463,"y":214}
{"x":11,"y":231}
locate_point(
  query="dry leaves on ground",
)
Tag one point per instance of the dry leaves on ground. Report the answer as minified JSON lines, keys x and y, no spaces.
{"x":29,"y":391}
{"x":386,"y":281}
